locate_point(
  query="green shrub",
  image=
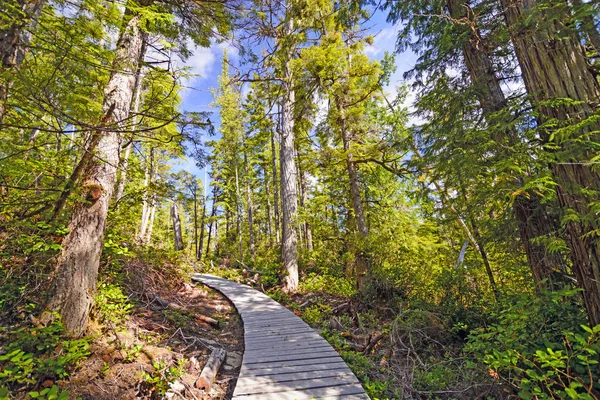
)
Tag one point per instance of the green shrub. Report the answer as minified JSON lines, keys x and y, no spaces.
{"x":316,"y":314}
{"x":278,"y":295}
{"x":533,"y":347}
{"x":328,"y":284}
{"x":51,"y":393}
{"x":43,"y":352}
{"x":111,"y":304}
{"x":163,"y":375}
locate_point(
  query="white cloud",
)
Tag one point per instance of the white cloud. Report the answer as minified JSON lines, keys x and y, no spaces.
{"x":200,"y":62}
{"x":204,"y":63}
{"x":385,"y":40}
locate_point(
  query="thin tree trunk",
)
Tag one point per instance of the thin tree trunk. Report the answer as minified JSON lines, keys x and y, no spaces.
{"x":554,"y":66}
{"x":531,"y":215}
{"x":307,"y":228}
{"x":196,"y":221}
{"x":212,"y":217}
{"x":77,"y":266}
{"x":145,"y":200}
{"x":135,"y":107}
{"x":275,"y":189}
{"x":216,"y":245}
{"x":303,"y":201}
{"x":249,"y":207}
{"x":148,"y":236}
{"x":289,"y":190}
{"x":123,"y":165}
{"x":227,"y":224}
{"x":362,"y":266}
{"x":14,"y":39}
{"x":202,"y":219}
{"x":238,"y":212}
{"x":268,"y":197}
{"x":177,"y":237}
{"x":484,"y":257}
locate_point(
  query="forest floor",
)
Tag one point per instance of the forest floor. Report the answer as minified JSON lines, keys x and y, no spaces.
{"x":149,"y":328}
{"x":168,"y":337}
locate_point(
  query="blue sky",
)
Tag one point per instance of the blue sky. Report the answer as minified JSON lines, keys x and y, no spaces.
{"x":205,"y":64}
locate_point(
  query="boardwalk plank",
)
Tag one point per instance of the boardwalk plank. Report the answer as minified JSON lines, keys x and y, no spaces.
{"x":334,"y":364}
{"x":284,"y":358}
{"x":300,"y":384}
{"x":292,"y":376}
{"x":333,"y":392}
{"x":268,"y":357}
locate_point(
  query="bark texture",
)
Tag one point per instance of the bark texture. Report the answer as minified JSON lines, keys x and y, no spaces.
{"x":249,"y":206}
{"x":212,"y":217}
{"x":289,"y":186}
{"x":531,"y":215}
{"x":146,"y":200}
{"x":177,"y":238}
{"x":77,"y":267}
{"x":553,"y":66}
{"x":303,"y":202}
{"x":135,"y":107}
{"x":275,"y":188}
{"x":202,"y":220}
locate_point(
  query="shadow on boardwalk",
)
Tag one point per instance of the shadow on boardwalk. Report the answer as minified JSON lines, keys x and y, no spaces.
{"x":284,"y":358}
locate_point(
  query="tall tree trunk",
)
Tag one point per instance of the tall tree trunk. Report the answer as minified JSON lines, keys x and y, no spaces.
{"x":177,"y":237}
{"x":148,"y":237}
{"x":268,"y":197}
{"x":304,"y":200}
{"x":81,"y":166}
{"x":275,"y":189}
{"x":486,"y":262}
{"x":249,"y":207}
{"x":362,"y":265}
{"x":216,"y":245}
{"x":289,"y":189}
{"x":553,"y":66}
{"x":14,"y":38}
{"x":238,"y":216}
{"x":145,"y":200}
{"x":77,"y":266}
{"x":202,"y":219}
{"x":212,"y":217}
{"x":531,"y":215}
{"x":196,"y":222}
{"x":135,"y":107}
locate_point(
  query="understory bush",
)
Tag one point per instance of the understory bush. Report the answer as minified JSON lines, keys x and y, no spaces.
{"x":540,"y":347}
{"x":111,"y":304}
{"x":33,"y":354}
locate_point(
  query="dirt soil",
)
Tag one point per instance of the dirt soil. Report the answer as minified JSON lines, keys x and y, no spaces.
{"x":166,"y":332}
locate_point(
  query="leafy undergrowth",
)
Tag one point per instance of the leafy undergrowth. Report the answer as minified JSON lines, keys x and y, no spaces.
{"x":148,"y":327}
{"x":525,"y":346}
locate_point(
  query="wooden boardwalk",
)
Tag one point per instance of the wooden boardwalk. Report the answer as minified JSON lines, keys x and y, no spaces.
{"x":284,"y":358}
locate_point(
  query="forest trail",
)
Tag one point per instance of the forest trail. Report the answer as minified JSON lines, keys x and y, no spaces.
{"x":284,"y":358}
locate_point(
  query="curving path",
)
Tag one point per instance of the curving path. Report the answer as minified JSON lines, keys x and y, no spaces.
{"x":284,"y":358}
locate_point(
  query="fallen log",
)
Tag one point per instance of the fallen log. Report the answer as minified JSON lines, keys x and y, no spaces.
{"x":210,"y":370}
{"x":162,"y":304}
{"x":373,"y":340}
{"x":208,"y":320}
